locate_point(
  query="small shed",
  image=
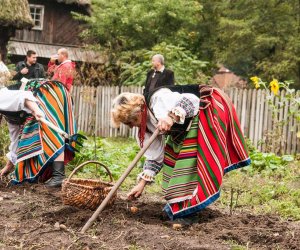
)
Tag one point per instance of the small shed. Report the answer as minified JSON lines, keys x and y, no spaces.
{"x":225,"y":78}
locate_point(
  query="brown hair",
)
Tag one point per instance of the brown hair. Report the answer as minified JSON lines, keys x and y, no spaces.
{"x":30,"y":52}
{"x":126,"y":108}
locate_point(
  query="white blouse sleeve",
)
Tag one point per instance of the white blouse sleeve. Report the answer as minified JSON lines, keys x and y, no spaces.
{"x":154,"y":154}
{"x":14,"y":100}
{"x":165,"y":101}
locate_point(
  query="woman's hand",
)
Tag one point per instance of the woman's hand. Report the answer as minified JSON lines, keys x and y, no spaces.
{"x":165,"y":124}
{"x":137,"y":190}
{"x":36,"y":111}
{"x":38,"y":114}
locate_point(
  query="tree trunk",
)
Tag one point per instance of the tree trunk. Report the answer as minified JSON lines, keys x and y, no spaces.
{"x":5,"y":34}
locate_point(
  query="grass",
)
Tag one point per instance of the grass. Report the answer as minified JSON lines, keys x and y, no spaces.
{"x":271,"y":184}
{"x":4,"y":142}
{"x":262,"y":192}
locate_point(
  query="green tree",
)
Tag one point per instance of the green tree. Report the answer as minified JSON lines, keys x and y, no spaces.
{"x":126,"y":25}
{"x":204,"y":42}
{"x":260,"y":37}
{"x":130,"y":32}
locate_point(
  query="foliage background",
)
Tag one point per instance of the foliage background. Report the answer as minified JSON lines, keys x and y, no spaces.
{"x":250,"y":37}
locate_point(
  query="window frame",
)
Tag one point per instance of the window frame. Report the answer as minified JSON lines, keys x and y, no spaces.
{"x":42,"y":7}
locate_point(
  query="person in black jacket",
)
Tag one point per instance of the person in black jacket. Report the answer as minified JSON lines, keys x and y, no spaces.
{"x":29,"y":68}
{"x":158,"y":76}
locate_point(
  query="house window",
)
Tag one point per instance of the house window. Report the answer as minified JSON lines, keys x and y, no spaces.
{"x":37,"y":14}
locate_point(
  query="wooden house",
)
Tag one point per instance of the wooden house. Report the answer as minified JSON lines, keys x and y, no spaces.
{"x":14,"y":14}
{"x":54,"y":28}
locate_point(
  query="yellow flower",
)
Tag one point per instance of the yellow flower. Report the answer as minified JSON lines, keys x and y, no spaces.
{"x":274,"y":85}
{"x":255,"y":81}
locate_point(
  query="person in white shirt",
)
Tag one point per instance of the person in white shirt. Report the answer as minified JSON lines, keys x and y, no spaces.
{"x":204,"y":142}
{"x":15,"y":101}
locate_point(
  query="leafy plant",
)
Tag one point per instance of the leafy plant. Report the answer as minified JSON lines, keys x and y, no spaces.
{"x":123,"y":25}
{"x":270,"y":185}
{"x":115,"y":153}
{"x":4,"y":141}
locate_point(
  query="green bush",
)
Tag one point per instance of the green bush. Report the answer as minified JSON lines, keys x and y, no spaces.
{"x":4,"y":141}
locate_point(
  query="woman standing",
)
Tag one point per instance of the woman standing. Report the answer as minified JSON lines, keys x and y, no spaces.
{"x":204,"y":141}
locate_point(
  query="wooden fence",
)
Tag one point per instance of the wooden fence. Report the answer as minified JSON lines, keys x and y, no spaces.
{"x":92,"y":112}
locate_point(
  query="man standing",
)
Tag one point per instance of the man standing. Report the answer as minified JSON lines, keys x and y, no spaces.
{"x":29,"y":68}
{"x":158,"y":76}
{"x":64,"y":71}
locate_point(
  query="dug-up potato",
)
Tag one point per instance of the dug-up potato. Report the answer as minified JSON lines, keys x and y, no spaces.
{"x":134,"y":210}
{"x":177,"y":226}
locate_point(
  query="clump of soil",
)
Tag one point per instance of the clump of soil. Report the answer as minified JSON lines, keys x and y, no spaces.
{"x":33,"y":217}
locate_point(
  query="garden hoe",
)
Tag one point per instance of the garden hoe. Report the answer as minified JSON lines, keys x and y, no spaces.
{"x":70,"y":138}
{"x":119,"y":182}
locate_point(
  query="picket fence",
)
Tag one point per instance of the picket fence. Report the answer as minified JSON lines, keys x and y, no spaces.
{"x":92,"y":113}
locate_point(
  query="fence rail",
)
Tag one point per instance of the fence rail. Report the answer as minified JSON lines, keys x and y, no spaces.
{"x":92,"y":113}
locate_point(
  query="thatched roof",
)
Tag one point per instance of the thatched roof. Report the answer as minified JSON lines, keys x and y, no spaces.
{"x":15,"y":13}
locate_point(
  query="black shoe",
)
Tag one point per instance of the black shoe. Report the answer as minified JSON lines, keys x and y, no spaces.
{"x":58,"y":175}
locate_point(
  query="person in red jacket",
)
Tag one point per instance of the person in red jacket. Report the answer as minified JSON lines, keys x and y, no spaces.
{"x":64,"y":71}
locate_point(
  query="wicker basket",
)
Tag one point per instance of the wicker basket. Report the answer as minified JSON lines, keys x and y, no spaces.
{"x":86,"y":193}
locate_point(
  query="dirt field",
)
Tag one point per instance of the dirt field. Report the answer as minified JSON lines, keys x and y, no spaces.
{"x":33,"y":217}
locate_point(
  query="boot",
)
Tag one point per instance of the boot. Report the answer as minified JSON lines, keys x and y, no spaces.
{"x":58,"y":175}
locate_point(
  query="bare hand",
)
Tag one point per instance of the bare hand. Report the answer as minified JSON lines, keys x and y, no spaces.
{"x":36,"y":111}
{"x":9,"y":167}
{"x":38,"y":114}
{"x":165,"y":124}
{"x":53,"y":58}
{"x":137,"y":190}
{"x":24,"y":71}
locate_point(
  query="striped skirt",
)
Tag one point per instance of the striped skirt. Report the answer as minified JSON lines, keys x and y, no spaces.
{"x":38,"y":144}
{"x":194,"y":168}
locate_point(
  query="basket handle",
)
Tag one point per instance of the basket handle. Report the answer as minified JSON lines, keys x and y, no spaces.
{"x":88,"y":162}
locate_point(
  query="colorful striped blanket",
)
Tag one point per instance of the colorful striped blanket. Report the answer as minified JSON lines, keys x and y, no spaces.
{"x":39,"y":145}
{"x":213,"y":146}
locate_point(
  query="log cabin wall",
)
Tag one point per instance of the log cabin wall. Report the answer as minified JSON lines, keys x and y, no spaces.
{"x":59,"y":27}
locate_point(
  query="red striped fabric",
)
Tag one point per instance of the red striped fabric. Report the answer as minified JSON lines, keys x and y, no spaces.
{"x":214,"y":145}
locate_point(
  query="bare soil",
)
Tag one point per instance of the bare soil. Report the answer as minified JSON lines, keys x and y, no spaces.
{"x":33,"y":217}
